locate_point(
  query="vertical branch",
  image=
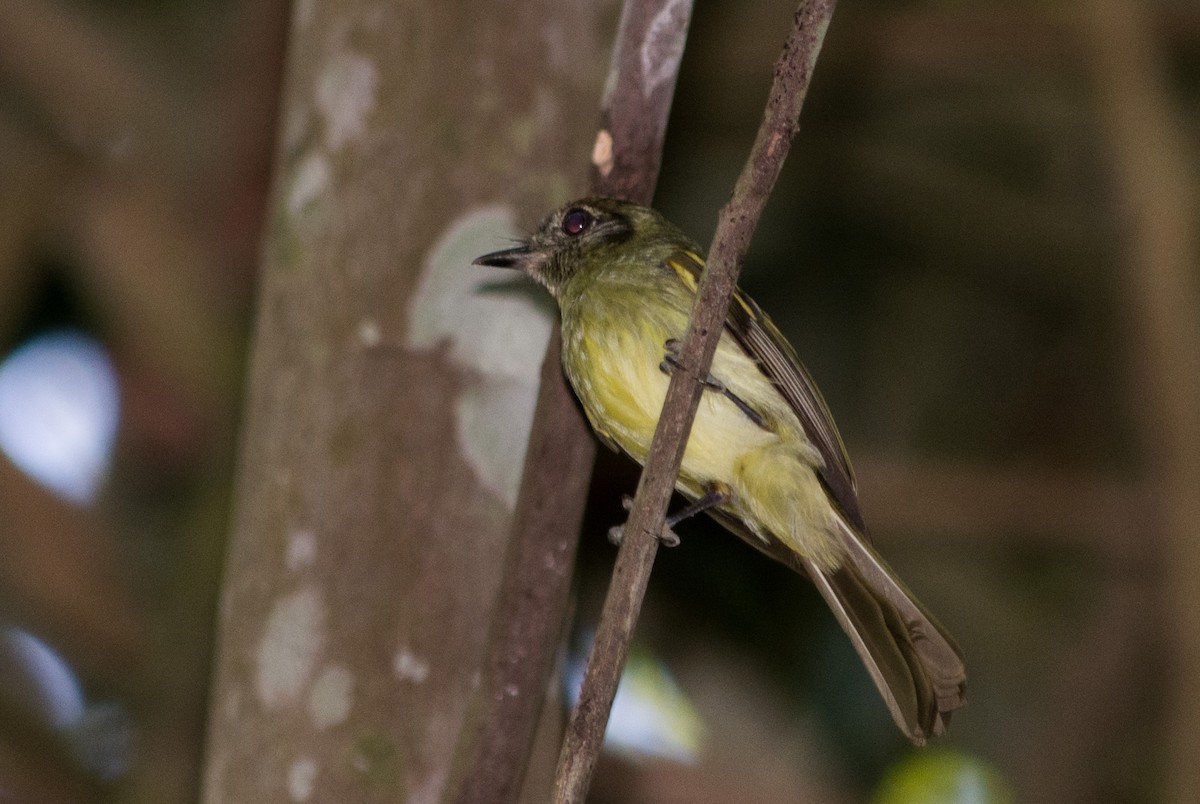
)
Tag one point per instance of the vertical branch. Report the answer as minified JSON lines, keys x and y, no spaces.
{"x":637,"y":99}
{"x":1160,"y":206}
{"x":532,"y":604}
{"x":793,"y":70}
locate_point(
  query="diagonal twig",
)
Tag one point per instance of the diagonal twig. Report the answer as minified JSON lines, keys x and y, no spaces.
{"x":532,"y":604}
{"x":736,"y":224}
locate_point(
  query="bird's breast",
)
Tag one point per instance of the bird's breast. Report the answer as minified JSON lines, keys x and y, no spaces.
{"x":613,"y":361}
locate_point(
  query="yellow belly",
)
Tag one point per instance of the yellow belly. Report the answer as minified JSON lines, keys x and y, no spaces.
{"x":617,"y":377}
{"x":615,"y":371}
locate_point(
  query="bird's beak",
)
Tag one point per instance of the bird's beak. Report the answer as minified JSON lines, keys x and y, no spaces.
{"x":521,"y":258}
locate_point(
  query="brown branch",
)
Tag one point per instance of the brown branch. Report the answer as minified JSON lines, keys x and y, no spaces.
{"x":736,"y":224}
{"x":61,"y":578}
{"x":532,"y":604}
{"x":1159,"y":206}
{"x":633,"y":118}
{"x":86,"y":94}
{"x":974,"y":506}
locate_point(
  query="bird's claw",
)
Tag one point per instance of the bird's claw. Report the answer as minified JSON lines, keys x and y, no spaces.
{"x":668,"y":537}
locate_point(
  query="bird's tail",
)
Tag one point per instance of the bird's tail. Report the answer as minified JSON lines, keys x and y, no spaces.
{"x":910,"y":657}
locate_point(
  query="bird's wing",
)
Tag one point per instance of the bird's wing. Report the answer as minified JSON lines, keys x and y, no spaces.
{"x":761,"y":339}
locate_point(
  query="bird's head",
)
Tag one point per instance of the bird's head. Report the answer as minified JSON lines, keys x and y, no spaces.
{"x":581,"y":236}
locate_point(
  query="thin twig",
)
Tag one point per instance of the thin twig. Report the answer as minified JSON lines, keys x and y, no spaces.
{"x":532,"y":604}
{"x":736,"y":223}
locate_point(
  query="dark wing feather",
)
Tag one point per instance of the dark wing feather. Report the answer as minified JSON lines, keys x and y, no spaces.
{"x":762,"y":340}
{"x":914,"y":663}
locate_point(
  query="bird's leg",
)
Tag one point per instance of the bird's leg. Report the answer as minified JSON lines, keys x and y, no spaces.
{"x":671,"y":362}
{"x":715,"y":494}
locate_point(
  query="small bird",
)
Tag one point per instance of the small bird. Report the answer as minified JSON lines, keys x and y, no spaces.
{"x":764,"y":457}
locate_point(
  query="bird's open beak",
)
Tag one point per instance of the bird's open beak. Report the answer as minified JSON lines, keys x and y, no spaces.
{"x":520,"y":258}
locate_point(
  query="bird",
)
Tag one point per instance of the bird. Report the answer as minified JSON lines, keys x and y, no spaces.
{"x":764,"y":457}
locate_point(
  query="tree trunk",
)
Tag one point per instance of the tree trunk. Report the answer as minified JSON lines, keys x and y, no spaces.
{"x":391,"y":387}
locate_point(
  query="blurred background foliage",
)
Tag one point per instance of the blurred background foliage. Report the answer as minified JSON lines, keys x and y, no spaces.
{"x":953,"y":249}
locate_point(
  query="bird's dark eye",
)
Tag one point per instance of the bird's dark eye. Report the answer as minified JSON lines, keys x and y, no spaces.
{"x":577,"y":221}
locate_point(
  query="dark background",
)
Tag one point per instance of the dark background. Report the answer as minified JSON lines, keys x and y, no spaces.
{"x":963,"y":248}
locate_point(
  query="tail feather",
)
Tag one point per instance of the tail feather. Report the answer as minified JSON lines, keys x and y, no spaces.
{"x":940,"y":655}
{"x":913,"y":661}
